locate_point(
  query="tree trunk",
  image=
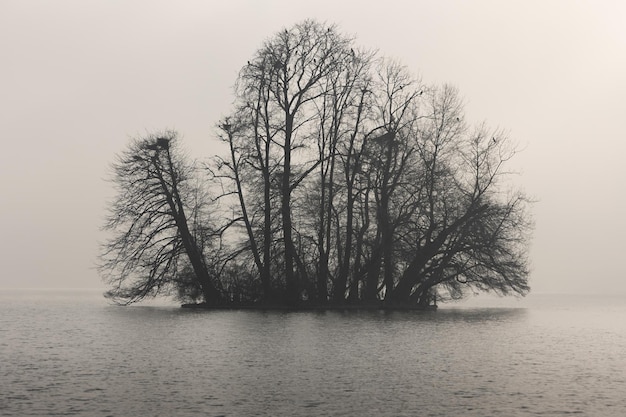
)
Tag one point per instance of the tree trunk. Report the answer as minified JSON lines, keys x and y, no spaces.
{"x":373,"y":274}
{"x":267,"y":240}
{"x":211,"y":294}
{"x":322,"y":266}
{"x":339,"y":289}
{"x":292,"y":290}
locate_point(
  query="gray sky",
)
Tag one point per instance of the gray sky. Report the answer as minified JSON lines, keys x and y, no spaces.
{"x":79,"y":77}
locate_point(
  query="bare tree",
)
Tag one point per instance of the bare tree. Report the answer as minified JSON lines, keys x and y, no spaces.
{"x":353,"y":179}
{"x":468,"y":232}
{"x":346,"y":180}
{"x":158,"y":241}
{"x":279,"y":92}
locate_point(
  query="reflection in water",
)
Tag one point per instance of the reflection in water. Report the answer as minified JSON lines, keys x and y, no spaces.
{"x":74,"y":357}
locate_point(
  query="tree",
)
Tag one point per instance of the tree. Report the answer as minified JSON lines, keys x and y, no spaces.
{"x":347,"y":179}
{"x":471,"y":234}
{"x":159,"y":232}
{"x":279,"y":95}
{"x":387,"y":185}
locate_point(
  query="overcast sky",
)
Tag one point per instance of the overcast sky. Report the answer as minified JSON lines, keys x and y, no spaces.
{"x":79,"y":77}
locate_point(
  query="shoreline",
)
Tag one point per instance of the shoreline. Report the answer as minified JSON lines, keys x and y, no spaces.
{"x":309,"y":307}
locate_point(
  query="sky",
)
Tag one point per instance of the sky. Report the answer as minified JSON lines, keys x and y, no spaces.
{"x":78,"y":78}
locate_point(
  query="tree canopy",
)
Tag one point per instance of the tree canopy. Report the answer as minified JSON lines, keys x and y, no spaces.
{"x":347,"y":180}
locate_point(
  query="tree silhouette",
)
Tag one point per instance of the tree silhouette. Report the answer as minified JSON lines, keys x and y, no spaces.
{"x":158,"y":232}
{"x":347,"y":180}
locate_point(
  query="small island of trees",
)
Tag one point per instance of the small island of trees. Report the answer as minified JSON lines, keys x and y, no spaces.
{"x":346,"y":182}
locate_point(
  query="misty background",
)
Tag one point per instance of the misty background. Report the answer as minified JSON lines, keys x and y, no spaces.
{"x":79,"y":78}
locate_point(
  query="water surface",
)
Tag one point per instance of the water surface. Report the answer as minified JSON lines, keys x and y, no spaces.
{"x":69,"y":353}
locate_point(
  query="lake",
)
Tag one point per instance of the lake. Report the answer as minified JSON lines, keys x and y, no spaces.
{"x":70,"y":353}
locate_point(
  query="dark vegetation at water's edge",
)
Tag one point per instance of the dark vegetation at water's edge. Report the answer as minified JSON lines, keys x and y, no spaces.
{"x":307,"y":306}
{"x":346,"y":181}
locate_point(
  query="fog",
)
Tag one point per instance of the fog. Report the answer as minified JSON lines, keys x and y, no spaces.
{"x":78,"y":78}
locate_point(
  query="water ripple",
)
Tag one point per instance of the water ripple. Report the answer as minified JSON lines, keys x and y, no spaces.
{"x":76,"y":358}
